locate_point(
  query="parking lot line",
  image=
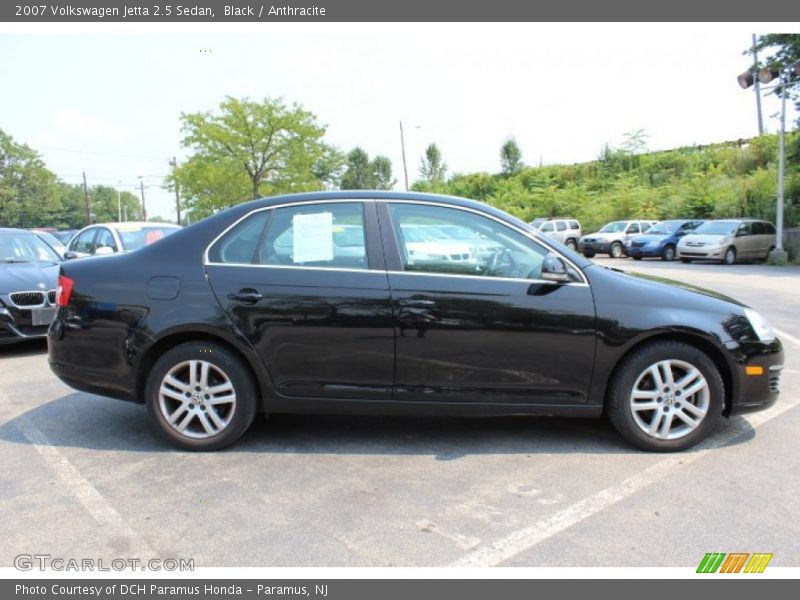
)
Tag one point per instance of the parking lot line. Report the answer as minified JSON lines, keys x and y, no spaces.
{"x":523,"y":539}
{"x":90,"y":498}
{"x":785,"y":336}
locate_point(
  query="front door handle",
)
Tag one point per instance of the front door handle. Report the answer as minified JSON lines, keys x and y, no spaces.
{"x":246,"y":296}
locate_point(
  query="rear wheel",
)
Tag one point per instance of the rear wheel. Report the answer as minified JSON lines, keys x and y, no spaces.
{"x":669,"y":253}
{"x":730,"y":256}
{"x":616,"y":250}
{"x":665,"y":397}
{"x":200,"y":396}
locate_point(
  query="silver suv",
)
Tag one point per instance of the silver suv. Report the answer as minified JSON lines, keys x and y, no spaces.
{"x":612,"y":237}
{"x":563,"y":229}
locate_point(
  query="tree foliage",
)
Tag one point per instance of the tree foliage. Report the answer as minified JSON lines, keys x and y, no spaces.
{"x":28,"y":191}
{"x":510,"y":158}
{"x":248,"y":149}
{"x":432,"y":168}
{"x":782,"y":51}
{"x":361,"y":173}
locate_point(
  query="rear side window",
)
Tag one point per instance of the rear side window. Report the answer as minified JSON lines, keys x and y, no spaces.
{"x":561,"y":226}
{"x":84,"y":242}
{"x":758,"y":229}
{"x":240,"y":244}
{"x":104,"y":238}
{"x":769,"y":228}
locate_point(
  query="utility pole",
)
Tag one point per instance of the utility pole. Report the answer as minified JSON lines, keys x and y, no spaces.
{"x":141,"y":187}
{"x":119,"y":202}
{"x":174,"y":165}
{"x":86,"y":197}
{"x":403,"y":148}
{"x":781,"y":169}
{"x":757,"y":88}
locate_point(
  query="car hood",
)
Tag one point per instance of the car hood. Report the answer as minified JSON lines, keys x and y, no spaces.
{"x":603,"y":236}
{"x":704,"y":239}
{"x":19,"y":277}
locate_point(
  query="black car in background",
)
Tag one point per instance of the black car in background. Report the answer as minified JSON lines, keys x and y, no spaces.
{"x":265,"y":308}
{"x":28,"y":276}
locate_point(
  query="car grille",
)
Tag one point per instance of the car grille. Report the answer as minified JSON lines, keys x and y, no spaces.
{"x":638,"y":244}
{"x":25,"y":299}
{"x":459,"y":256}
{"x":684,"y":253}
{"x":775,"y":383}
{"x":589,"y":240}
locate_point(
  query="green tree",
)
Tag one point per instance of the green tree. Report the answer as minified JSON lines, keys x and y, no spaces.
{"x":432,"y":167}
{"x":250,"y":148}
{"x":361,"y":173}
{"x":782,"y":51}
{"x":510,"y":158}
{"x":28,"y":192}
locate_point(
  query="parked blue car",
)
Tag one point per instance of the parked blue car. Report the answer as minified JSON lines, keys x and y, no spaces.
{"x":661,"y":239}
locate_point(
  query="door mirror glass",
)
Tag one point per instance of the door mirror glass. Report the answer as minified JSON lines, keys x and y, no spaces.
{"x":554,"y":269}
{"x":70,"y":254}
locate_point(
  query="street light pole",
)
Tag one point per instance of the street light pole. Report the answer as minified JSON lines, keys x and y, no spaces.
{"x":403,"y":148}
{"x":119,"y":203}
{"x":781,"y":170}
{"x":141,"y":187}
{"x":757,"y":88}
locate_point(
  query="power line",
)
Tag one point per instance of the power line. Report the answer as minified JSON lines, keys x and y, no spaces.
{"x":76,"y":151}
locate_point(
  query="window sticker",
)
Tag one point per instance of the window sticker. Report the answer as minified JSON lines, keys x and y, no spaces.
{"x":313,"y":237}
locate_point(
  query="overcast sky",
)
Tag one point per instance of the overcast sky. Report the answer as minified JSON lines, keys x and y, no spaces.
{"x":108,"y":99}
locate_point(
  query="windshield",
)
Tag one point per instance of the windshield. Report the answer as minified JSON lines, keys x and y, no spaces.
{"x":614,"y":227}
{"x":25,"y":248}
{"x":717,"y":228}
{"x":664,"y":228}
{"x":134,"y":238}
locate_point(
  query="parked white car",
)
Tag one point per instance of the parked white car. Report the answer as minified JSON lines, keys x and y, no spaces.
{"x":612,"y":237}
{"x":110,"y":238}
{"x":563,"y":229}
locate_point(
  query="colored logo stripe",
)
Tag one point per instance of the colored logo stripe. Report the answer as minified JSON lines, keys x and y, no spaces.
{"x":711,"y":562}
{"x":734,"y":562}
{"x":758,"y":563}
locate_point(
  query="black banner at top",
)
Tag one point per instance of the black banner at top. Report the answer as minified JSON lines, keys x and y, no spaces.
{"x":253,"y":11}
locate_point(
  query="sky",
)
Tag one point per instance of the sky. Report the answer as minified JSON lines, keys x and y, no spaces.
{"x":107,"y":99}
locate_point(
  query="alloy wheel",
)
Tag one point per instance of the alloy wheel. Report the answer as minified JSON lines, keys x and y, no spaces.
{"x":197,"y":399}
{"x":670,"y":399}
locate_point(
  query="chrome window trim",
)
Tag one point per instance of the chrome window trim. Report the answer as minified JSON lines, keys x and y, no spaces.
{"x":528,"y":234}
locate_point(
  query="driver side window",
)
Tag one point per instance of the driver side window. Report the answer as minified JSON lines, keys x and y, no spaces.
{"x":440,"y":240}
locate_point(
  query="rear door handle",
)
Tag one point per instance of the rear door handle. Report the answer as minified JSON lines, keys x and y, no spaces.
{"x":246,"y":296}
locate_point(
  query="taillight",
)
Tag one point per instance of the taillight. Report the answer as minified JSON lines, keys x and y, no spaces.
{"x":64,"y":291}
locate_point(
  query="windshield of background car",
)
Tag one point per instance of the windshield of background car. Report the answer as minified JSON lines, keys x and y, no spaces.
{"x":135,"y":237}
{"x":615,"y":227}
{"x":25,"y":248}
{"x":664,"y":228}
{"x":717,"y":228}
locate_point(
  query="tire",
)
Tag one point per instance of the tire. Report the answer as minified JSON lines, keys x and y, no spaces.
{"x":668,"y":254}
{"x":729,"y":257}
{"x":637,"y":258}
{"x":634,"y":376}
{"x":616,"y":250}
{"x":686,"y":260}
{"x":588,"y":254}
{"x":572,"y":245}
{"x":212,"y":425}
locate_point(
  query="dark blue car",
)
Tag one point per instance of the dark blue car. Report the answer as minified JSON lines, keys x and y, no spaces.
{"x":661,"y":239}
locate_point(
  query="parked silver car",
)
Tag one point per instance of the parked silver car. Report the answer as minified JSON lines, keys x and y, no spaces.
{"x":612,"y":237}
{"x":564,"y":229}
{"x":729,"y":241}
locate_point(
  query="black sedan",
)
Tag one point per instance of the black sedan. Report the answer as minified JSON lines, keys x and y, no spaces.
{"x":28,"y":275}
{"x":322,"y":303}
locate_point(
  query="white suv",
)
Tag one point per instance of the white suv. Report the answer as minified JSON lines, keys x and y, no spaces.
{"x":563,"y":229}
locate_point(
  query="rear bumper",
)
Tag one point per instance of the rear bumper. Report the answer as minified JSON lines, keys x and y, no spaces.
{"x":643,"y":251}
{"x":757,"y":376}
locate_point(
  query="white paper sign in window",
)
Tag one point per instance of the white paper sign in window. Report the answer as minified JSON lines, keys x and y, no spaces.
{"x":312,"y":237}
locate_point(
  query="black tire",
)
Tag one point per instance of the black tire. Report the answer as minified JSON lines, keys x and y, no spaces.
{"x":618,"y":406}
{"x":729,"y":257}
{"x":588,"y":254}
{"x":572,"y":244}
{"x":686,"y":260}
{"x":637,"y":258}
{"x":668,"y":254}
{"x":238,"y":415}
{"x":616,"y":250}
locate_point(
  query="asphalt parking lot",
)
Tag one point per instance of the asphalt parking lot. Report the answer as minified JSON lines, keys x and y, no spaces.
{"x":85,"y":476}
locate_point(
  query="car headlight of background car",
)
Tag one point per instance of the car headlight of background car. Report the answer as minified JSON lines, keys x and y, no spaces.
{"x":760,"y":325}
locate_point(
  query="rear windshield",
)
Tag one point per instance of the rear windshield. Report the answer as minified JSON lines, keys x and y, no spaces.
{"x":134,"y":238}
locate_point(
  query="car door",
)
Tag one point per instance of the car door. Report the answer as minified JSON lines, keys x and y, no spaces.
{"x":744,"y":241}
{"x":632,"y":231}
{"x":306,"y":284}
{"x":487,"y":330}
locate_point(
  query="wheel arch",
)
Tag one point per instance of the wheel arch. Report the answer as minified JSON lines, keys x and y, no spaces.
{"x":698,"y":341}
{"x":176,"y":338}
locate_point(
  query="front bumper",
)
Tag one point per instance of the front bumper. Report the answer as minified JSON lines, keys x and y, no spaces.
{"x":16,"y":325}
{"x":757,"y":375}
{"x":596,"y":246}
{"x":644,"y":251}
{"x":701,"y":252}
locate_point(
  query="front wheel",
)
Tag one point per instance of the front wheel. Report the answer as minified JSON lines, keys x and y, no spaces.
{"x":200,"y":396}
{"x":572,"y":245}
{"x":729,"y":257}
{"x":666,"y":397}
{"x":686,"y":261}
{"x":668,"y":254}
{"x":588,"y":254}
{"x":616,"y":250}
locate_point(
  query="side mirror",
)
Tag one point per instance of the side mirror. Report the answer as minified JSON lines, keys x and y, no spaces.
{"x":70,"y":254}
{"x":554,"y":269}
{"x":103,"y":251}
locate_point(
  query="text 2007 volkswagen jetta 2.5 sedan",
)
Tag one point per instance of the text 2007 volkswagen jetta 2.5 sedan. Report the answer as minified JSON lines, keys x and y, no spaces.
{"x":383,"y":302}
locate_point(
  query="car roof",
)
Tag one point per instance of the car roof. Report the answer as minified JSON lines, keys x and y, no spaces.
{"x":133,"y":224}
{"x":9,"y":230}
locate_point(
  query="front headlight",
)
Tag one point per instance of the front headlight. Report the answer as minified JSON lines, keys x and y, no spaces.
{"x":760,"y":325}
